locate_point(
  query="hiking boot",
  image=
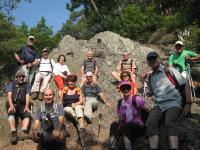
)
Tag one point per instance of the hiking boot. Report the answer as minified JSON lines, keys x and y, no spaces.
{"x":88,"y":120}
{"x":14,"y":137}
{"x":34,"y":95}
{"x":40,"y":97}
{"x":24,"y":135}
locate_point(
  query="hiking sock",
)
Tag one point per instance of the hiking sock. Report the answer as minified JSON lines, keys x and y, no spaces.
{"x":14,"y":129}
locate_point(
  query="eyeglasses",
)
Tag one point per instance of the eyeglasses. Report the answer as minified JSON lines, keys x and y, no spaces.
{"x":125,"y":89}
{"x":88,"y":76}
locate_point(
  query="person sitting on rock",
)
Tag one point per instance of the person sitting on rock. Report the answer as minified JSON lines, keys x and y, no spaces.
{"x":73,"y":100}
{"x":60,"y":71}
{"x":92,"y":94}
{"x":126,"y":64}
{"x":131,"y":124}
{"x":26,"y":57}
{"x":89,"y":65}
{"x":125,"y":76}
{"x":181,"y":57}
{"x":18,"y":106}
{"x":48,"y":126}
{"x":167,"y":102}
{"x":43,"y":76}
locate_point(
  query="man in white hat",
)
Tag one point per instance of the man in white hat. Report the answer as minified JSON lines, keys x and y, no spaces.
{"x":43,"y":76}
{"x":26,"y":57}
{"x":180,"y":57}
{"x":91,"y":95}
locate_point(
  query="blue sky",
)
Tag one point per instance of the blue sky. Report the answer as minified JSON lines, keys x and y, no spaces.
{"x":54,"y":12}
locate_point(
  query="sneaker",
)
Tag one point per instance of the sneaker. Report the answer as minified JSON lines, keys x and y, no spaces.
{"x":34,"y":95}
{"x":14,"y":137}
{"x":24,"y":135}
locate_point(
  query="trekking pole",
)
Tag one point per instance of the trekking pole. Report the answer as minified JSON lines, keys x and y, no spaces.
{"x":191,"y":84}
{"x":116,"y":138}
{"x":100,"y":121}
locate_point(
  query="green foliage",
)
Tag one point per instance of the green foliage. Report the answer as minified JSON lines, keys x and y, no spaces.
{"x":193,"y":41}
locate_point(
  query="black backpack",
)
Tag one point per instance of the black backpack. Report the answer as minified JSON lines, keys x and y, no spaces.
{"x":142,"y":112}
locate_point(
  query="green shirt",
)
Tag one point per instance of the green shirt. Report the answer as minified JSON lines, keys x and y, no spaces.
{"x":179,"y":62}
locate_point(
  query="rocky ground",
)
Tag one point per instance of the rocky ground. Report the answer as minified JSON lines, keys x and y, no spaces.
{"x":108,"y":48}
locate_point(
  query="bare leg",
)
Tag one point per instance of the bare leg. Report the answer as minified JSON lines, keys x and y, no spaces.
{"x":25,"y":123}
{"x":173,"y":142}
{"x":153,"y":142}
{"x":116,"y":75}
{"x":12,"y":123}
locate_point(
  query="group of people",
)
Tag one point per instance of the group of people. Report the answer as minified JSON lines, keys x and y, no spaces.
{"x":79,"y":102}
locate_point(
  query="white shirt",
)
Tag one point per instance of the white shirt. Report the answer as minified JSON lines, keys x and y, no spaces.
{"x":46,"y":65}
{"x":59,"y":69}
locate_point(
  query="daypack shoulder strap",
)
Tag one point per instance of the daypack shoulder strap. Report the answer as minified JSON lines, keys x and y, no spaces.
{"x":119,"y":103}
{"x":171,"y":77}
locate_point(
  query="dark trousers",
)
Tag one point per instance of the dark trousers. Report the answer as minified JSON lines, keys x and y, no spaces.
{"x":170,"y":117}
{"x":130,"y":130}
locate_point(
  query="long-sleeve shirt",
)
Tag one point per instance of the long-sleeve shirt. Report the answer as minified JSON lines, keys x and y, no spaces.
{"x":60,"y":69}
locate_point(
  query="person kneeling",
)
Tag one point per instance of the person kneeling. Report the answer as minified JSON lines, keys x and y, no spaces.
{"x":131,"y":123}
{"x":48,"y":126}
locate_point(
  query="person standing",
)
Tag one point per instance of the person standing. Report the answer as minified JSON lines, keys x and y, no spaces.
{"x":26,"y":57}
{"x":167,"y":102}
{"x":43,"y":76}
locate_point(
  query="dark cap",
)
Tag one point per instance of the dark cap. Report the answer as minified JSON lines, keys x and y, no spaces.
{"x":20,"y":73}
{"x":152,"y":55}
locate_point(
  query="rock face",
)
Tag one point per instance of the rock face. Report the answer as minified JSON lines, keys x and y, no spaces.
{"x":108,"y":48}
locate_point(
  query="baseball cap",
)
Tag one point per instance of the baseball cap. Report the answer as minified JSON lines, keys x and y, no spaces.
{"x":31,"y":37}
{"x":45,"y":49}
{"x":88,"y":74}
{"x":20,"y":73}
{"x":125,"y":86}
{"x":179,"y":43}
{"x":152,"y":55}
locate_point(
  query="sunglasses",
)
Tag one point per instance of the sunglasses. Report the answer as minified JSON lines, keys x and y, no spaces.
{"x":20,"y":76}
{"x":125,"y":89}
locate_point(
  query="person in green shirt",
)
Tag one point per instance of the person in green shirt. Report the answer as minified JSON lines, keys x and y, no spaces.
{"x":181,"y":57}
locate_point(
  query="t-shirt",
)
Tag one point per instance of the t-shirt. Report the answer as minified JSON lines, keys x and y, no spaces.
{"x":59,"y":69}
{"x":179,"y":62}
{"x":45,"y":64}
{"x":38,"y":114}
{"x":28,"y":54}
{"x":19,"y":92}
{"x":90,"y":90}
{"x":166,"y":95}
{"x":89,"y":65}
{"x":131,"y":114}
{"x":49,"y":119}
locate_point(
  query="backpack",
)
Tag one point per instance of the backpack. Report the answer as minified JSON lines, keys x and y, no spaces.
{"x":126,"y":63}
{"x":44,"y":63}
{"x":174,"y":81}
{"x":49,"y":118}
{"x":142,"y":112}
